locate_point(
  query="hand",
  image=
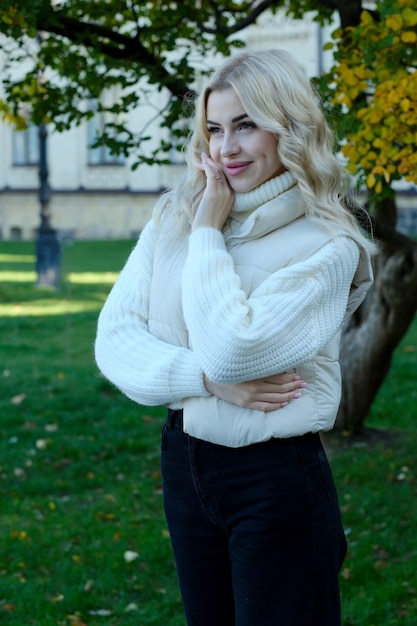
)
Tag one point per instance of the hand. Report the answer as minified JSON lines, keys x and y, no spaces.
{"x":218,"y":197}
{"x":265,"y":394}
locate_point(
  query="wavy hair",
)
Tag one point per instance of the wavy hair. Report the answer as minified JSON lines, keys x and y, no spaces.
{"x":277,"y":95}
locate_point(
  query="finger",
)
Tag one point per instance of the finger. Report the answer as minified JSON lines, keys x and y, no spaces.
{"x":285,"y":377}
{"x":282,"y":383}
{"x":274,"y":402}
{"x":277,"y":398}
{"x":286,"y":388}
{"x":211,"y":169}
{"x":255,"y":389}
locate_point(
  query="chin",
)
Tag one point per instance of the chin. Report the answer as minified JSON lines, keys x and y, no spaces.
{"x":243,"y":187}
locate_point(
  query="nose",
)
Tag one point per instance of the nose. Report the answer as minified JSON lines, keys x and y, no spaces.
{"x":230,"y":144}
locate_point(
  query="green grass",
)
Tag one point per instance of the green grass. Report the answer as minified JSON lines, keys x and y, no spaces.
{"x":79,"y":470}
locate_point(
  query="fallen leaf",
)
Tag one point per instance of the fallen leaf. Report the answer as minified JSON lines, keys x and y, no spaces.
{"x":105,"y":516}
{"x":41,"y":444}
{"x":380,"y":553}
{"x":130,"y":556}
{"x":75,"y":621}
{"x":57,"y":598}
{"x":19,"y":534}
{"x":346,"y":573}
{"x":51,"y":428}
{"x":18,"y":399}
{"x":101,"y":612}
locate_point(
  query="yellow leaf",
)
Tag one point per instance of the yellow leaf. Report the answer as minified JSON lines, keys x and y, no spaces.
{"x":366,"y":18}
{"x":394,"y":22}
{"x":19,"y":534}
{"x":409,"y":37}
{"x":370,"y":181}
{"x":351,"y":168}
{"x":376,"y":116}
{"x":405,"y":104}
{"x":409,"y":16}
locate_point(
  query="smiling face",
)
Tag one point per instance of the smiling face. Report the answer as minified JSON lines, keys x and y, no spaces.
{"x":246,"y":153}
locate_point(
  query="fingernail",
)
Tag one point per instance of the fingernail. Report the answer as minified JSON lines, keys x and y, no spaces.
{"x":303,"y":384}
{"x":283,"y":404}
{"x":297,"y":394}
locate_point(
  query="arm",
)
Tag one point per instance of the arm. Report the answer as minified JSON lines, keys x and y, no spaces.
{"x":266,"y":394}
{"x":153,"y":372}
{"x":146,"y":369}
{"x":286,"y":321}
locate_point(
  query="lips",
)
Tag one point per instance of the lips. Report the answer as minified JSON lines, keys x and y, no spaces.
{"x":237,"y":167}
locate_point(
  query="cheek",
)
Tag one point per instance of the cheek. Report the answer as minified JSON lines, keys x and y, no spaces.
{"x":214,"y":151}
{"x":270,"y":147}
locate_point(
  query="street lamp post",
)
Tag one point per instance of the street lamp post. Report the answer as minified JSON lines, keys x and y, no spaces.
{"x":48,"y":249}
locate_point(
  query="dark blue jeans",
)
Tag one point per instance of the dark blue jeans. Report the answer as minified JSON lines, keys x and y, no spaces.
{"x":256,"y":531}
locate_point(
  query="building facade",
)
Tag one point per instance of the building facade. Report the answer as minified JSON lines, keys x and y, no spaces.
{"x":95,"y":195}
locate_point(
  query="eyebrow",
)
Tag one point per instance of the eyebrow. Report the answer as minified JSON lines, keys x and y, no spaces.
{"x":234,"y":120}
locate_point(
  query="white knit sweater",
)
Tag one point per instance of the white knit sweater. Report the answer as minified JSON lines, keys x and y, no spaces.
{"x":284,"y":322}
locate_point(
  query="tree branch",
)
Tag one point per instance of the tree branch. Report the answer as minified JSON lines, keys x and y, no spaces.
{"x":121,"y":48}
{"x":240,"y":25}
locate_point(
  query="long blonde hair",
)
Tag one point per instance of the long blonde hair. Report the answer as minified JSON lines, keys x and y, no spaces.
{"x":277,"y":95}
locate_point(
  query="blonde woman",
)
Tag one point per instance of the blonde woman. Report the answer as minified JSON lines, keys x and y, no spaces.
{"x":229,"y":312}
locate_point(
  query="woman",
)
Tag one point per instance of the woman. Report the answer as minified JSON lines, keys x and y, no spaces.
{"x":229,"y":312}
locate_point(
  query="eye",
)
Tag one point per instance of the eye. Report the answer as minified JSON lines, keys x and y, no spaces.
{"x":213,"y":130}
{"x":246,"y":125}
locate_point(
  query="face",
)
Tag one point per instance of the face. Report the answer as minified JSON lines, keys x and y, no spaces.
{"x":246,"y":153}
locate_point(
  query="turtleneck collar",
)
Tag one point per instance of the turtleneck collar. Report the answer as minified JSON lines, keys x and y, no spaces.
{"x":264,"y":193}
{"x":272,"y":205}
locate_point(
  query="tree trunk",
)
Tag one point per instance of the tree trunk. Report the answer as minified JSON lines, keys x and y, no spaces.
{"x":373,"y":333}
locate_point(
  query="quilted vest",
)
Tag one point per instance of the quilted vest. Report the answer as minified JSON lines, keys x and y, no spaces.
{"x":258,"y":248}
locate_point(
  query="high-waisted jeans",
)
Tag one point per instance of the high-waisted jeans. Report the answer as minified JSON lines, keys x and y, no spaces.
{"x":256,"y":531}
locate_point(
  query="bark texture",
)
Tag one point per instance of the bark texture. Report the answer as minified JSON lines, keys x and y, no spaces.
{"x":373,"y":333}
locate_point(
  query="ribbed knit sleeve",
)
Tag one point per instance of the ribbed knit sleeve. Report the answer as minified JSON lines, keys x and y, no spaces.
{"x":146,"y":369}
{"x":286,"y":321}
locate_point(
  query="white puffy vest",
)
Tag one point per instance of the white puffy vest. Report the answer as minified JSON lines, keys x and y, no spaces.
{"x":256,"y":256}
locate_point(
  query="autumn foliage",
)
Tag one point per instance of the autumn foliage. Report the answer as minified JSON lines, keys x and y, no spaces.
{"x":373,"y":86}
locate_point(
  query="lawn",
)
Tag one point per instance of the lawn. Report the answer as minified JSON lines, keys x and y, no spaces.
{"x":82,"y":534}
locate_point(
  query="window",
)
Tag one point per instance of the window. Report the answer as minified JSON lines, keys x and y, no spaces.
{"x":100,"y":155}
{"x":26,"y":146}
